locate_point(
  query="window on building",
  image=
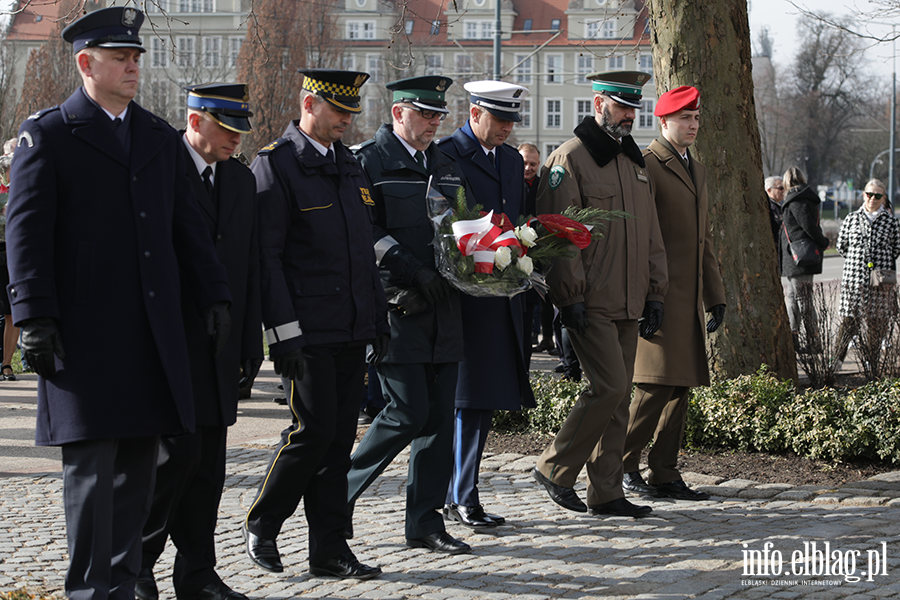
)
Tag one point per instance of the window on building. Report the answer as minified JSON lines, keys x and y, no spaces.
{"x":553,"y":113}
{"x":360,"y":30}
{"x":608,"y":29}
{"x":154,"y":6}
{"x":157,"y":53}
{"x":463,"y":66}
{"x":583,"y":108}
{"x":525,"y":112}
{"x":196,"y":6}
{"x":348,"y":62}
{"x":615,"y":63}
{"x":185,"y":51}
{"x":234,"y":50}
{"x":435,"y":27}
{"x":372,"y":113}
{"x":645,"y":114}
{"x":584,"y":66}
{"x":375,"y":70}
{"x":549,"y":148}
{"x":212,"y":51}
{"x":554,"y":68}
{"x":646,"y":63}
{"x":526,"y":26}
{"x":554,"y":24}
{"x":524,"y":70}
{"x":434,"y":64}
{"x":478,"y":30}
{"x":409,"y":26}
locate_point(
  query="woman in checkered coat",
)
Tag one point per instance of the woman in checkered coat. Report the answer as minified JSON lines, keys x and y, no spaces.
{"x":869,"y":239}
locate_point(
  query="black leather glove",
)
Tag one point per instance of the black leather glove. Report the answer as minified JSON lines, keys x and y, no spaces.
{"x":218,"y":324}
{"x":429,"y":282}
{"x":249,"y":371}
{"x":716,"y":315}
{"x":40,"y":341}
{"x":378,"y":349}
{"x":651,"y":320}
{"x":290,"y":365}
{"x":574,"y":317}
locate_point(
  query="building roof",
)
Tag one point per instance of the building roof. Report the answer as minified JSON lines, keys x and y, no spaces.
{"x":36,"y":22}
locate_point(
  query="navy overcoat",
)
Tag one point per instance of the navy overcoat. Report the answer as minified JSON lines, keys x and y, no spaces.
{"x":96,"y":239}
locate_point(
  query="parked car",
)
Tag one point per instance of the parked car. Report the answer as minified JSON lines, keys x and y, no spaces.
{"x":829,"y":205}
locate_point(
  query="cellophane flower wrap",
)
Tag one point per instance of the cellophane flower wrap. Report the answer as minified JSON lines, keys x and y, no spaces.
{"x":485,"y":254}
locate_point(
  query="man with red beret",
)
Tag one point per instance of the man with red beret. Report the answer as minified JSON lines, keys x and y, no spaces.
{"x":672,"y":361}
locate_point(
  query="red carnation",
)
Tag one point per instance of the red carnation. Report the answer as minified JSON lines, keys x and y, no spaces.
{"x":565,"y":227}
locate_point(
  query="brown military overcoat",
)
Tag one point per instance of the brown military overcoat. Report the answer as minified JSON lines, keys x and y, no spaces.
{"x":676,"y":355}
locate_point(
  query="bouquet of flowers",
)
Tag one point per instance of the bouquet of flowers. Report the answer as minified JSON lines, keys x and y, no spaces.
{"x":485,"y":254}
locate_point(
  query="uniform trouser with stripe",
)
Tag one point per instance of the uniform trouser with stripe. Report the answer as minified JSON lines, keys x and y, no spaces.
{"x":470,"y":431}
{"x":419,"y":414}
{"x":658,"y":412}
{"x":594,"y":432}
{"x":107,"y":485}
{"x":190,"y":474}
{"x":313,"y":458}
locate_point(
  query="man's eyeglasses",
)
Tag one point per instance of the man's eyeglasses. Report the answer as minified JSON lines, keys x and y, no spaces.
{"x":428,"y":115}
{"x":874,"y":195}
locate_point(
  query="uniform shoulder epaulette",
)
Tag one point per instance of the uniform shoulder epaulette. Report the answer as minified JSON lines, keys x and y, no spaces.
{"x":273,"y":145}
{"x":42,"y":112}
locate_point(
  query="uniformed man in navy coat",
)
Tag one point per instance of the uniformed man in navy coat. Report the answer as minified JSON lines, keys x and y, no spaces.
{"x":101,"y":221}
{"x":322,"y":303}
{"x":418,"y":376}
{"x":190,"y":470}
{"x":492,"y":375}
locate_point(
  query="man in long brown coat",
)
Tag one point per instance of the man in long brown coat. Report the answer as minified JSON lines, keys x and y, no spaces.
{"x":674,"y":360}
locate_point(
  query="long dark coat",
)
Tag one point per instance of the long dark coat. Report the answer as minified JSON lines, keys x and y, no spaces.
{"x":96,"y":237}
{"x":800,"y":212}
{"x":403,"y":243}
{"x":492,"y":375}
{"x":231,"y":219}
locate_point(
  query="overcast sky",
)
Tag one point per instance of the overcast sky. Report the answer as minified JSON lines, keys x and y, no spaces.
{"x":781,"y":17}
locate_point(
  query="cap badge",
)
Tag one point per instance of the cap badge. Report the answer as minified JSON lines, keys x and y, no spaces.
{"x":360,"y":79}
{"x":441,"y":86}
{"x":129,"y":16}
{"x":517,"y":93}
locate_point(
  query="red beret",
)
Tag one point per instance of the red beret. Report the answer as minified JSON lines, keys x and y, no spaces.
{"x":681,"y":98}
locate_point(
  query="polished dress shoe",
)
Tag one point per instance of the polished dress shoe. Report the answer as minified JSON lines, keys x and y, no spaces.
{"x":679,"y":491}
{"x":469,"y":516}
{"x":344,"y":566}
{"x":262,"y":552}
{"x":145,"y":586}
{"x":620,"y":507}
{"x":565,"y":497}
{"x":440,"y":541}
{"x":633,"y":482}
{"x":496,"y":518}
{"x":214,"y":591}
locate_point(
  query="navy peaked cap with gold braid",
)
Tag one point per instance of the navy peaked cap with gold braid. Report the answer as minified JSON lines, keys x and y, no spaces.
{"x":339,"y":88}
{"x":227,"y":103}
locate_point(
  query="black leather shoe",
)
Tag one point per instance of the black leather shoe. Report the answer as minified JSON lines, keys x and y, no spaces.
{"x":364,"y":418}
{"x":145,"y":586}
{"x":495,"y":518}
{"x":440,"y":541}
{"x":633,"y":482}
{"x":344,"y":566}
{"x":621,"y":507}
{"x":565,"y":497}
{"x":679,"y":491}
{"x":473,"y":517}
{"x":215,"y":591}
{"x":262,"y":552}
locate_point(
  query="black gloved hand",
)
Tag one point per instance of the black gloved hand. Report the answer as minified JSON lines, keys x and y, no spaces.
{"x":429,"y":282}
{"x":716,"y":315}
{"x":378,"y":349}
{"x":290,"y":365}
{"x":218,"y":324}
{"x":651,"y":320}
{"x":249,"y":371}
{"x":40,"y":341}
{"x":574,"y":317}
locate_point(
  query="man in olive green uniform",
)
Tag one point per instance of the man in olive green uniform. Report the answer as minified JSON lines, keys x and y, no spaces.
{"x":674,"y":360}
{"x":603,"y":291}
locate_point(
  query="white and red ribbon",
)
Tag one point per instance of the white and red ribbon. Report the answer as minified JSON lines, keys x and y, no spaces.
{"x":481,"y":238}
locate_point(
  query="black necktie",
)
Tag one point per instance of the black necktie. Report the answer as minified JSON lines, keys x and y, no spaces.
{"x":491,"y":158}
{"x":330,"y":155}
{"x":207,"y":180}
{"x":116,"y":122}
{"x":420,"y":158}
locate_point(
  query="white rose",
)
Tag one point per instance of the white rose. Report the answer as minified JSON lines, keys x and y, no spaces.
{"x":525,"y":264}
{"x":502,"y":257}
{"x":527,"y":235}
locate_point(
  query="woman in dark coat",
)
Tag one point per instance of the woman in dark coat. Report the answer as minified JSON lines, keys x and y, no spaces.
{"x":800,"y":213}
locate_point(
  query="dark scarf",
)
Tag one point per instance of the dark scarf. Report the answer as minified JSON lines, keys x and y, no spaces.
{"x":602,"y":147}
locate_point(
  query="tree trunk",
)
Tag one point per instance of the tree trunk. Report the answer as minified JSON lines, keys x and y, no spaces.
{"x":707,"y":45}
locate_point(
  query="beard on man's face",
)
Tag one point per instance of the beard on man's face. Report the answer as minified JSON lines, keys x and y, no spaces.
{"x":615,"y":129}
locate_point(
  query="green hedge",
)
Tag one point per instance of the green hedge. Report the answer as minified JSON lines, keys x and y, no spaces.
{"x":755,"y":413}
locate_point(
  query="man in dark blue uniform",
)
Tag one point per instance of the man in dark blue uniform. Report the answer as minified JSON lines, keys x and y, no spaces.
{"x":190,"y":470}
{"x":418,"y":375}
{"x":322,"y":303}
{"x":108,"y":255}
{"x":492,"y":376}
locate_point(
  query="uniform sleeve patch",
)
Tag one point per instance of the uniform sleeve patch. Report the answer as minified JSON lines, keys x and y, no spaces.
{"x":557,"y":174}
{"x":366,"y":196}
